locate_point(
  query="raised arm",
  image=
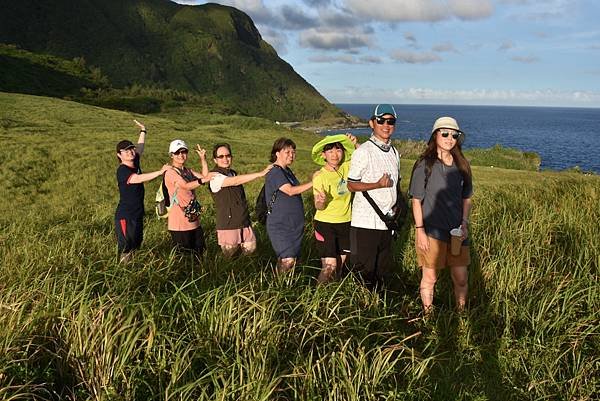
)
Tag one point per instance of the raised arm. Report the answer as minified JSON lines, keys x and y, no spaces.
{"x":141,"y":139}
{"x":202,"y":155}
{"x":353,"y":139}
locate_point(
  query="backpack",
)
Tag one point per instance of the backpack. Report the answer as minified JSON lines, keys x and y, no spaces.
{"x":261,"y":208}
{"x":162,"y":201}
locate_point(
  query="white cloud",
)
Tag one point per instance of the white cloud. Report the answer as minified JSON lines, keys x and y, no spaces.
{"x":444,"y":47}
{"x":506,"y":45}
{"x":547,"y":97}
{"x":410,"y":37}
{"x":371,"y":60}
{"x":410,"y":57}
{"x":296,"y":18}
{"x":346,"y":59}
{"x":335,"y":40}
{"x":275,"y":38}
{"x":471,"y":9}
{"x":525,"y":59}
{"x":399,"y":10}
{"x":256,"y":9}
{"x":422,"y":10}
{"x":538,"y":11}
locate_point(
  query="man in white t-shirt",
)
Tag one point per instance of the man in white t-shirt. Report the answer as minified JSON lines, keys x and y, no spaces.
{"x":375,"y":167}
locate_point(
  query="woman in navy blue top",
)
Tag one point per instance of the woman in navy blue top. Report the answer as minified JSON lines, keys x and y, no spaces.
{"x":285,"y":222}
{"x":130,"y":210}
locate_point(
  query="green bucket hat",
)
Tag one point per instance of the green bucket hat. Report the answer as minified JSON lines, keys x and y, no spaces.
{"x":317,"y":150}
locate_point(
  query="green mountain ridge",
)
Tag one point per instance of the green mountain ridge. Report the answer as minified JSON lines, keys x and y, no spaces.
{"x":211,"y":52}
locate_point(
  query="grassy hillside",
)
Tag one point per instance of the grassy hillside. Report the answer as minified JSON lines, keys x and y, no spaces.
{"x":26,"y":72}
{"x":212,"y":52}
{"x":74,"y":324}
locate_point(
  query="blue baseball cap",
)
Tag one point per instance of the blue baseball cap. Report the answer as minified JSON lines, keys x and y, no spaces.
{"x":383,"y":109}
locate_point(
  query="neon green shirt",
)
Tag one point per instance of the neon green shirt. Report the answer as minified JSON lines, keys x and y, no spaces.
{"x":334,"y":185}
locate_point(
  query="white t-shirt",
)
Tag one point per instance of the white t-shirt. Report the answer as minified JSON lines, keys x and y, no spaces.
{"x":369,"y":162}
{"x":216,"y":182}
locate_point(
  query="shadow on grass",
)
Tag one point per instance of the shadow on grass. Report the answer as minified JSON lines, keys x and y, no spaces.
{"x":467,"y":343}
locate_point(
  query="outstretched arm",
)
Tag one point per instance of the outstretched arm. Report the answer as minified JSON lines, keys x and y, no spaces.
{"x":141,"y":139}
{"x":139,"y":178}
{"x":244,"y":178}
{"x":292,"y":190}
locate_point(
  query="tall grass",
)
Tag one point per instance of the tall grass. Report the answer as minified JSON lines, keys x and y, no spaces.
{"x":75,"y":324}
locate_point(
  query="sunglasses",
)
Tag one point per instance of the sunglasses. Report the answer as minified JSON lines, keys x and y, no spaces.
{"x":455,"y":135}
{"x":223,"y":156}
{"x":181,"y":152}
{"x":389,"y":121}
{"x":128,"y":149}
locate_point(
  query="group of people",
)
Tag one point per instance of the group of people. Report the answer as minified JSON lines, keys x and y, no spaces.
{"x":354,"y":191}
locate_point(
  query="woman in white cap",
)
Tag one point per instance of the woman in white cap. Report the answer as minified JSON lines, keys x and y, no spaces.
{"x":332,"y":201}
{"x":129,"y":216}
{"x":441,"y":187}
{"x":184,"y":215}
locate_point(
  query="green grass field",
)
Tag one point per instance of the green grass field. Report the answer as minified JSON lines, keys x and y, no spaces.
{"x":74,"y":324}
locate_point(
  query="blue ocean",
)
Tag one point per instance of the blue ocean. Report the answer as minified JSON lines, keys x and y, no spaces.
{"x":563,"y":137}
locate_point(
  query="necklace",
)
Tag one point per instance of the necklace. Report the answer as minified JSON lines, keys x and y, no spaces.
{"x":336,"y":169}
{"x":341,"y":186}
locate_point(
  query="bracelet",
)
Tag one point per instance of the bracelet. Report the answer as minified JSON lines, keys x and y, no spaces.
{"x":200,"y":181}
{"x":142,"y":130}
{"x":419,"y":227}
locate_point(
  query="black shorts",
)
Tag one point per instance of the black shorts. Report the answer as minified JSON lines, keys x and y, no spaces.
{"x":371,"y":253}
{"x":192,"y":240}
{"x":333,"y":239}
{"x":130,"y":233}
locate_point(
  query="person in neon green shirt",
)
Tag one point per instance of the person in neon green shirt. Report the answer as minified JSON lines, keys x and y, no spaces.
{"x":333,"y":202}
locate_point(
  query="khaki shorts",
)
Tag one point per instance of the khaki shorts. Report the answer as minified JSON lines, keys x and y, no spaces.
{"x":439,"y":256}
{"x":235,"y":237}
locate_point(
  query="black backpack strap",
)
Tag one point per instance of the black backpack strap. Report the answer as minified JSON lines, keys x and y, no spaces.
{"x":274,"y":195}
{"x":272,"y":201}
{"x":374,"y":205}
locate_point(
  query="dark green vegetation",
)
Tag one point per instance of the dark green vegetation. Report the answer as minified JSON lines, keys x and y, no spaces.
{"x":497,"y":156}
{"x":150,"y":55}
{"x":76,"y":325}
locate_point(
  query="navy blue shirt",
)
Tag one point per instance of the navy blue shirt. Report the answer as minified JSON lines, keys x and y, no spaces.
{"x":286,"y":208}
{"x":131,"y":202}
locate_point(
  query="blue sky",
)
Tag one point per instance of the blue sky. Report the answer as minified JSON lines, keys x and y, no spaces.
{"x":500,"y":52}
